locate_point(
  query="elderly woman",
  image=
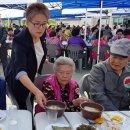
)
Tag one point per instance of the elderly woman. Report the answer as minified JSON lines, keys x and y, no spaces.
{"x":59,"y":86}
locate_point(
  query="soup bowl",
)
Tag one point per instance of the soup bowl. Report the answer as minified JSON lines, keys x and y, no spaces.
{"x":91,"y":110}
{"x":56,"y":106}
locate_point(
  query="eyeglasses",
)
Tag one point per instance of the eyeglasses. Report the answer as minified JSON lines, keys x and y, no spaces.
{"x":38,"y":25}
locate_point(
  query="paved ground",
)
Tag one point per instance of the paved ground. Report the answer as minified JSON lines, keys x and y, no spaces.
{"x":77,"y":76}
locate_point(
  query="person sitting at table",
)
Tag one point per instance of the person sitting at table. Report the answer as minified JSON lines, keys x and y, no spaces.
{"x":59,"y":86}
{"x":75,"y":39}
{"x":127,"y":33}
{"x":103,"y":39}
{"x":119,"y":35}
{"x":92,"y":35}
{"x":55,"y":41}
{"x":104,"y":49}
{"x":9,"y":38}
{"x":10,"y":35}
{"x":60,"y":34}
{"x":110,"y":80}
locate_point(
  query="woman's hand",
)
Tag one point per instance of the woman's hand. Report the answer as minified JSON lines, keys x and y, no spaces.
{"x":79,"y":100}
{"x":40,"y":98}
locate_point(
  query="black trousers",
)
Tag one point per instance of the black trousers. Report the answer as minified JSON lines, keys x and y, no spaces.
{"x":3,"y":57}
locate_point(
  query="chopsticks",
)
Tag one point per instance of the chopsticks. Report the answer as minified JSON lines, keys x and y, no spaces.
{"x":124,"y":114}
{"x":68,"y":121}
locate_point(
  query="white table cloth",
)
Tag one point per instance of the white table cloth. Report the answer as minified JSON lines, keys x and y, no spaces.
{"x":24,"y":119}
{"x":74,"y":118}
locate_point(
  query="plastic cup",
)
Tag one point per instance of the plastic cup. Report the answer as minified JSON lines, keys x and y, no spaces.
{"x":51,"y":115}
{"x":13,"y":115}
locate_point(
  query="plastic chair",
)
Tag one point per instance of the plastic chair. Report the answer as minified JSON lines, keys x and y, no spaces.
{"x":47,"y":68}
{"x":84,"y":85}
{"x":38,"y":82}
{"x":103,"y":55}
{"x":53,"y":51}
{"x":76,"y":53}
{"x":40,"y":79}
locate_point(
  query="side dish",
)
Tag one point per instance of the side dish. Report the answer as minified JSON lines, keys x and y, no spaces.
{"x":60,"y":128}
{"x":85,"y":127}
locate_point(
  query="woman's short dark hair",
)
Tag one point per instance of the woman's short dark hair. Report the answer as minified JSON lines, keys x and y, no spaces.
{"x":127,"y":32}
{"x":75,"y":31}
{"x":10,"y":29}
{"x":36,"y":8}
{"x":58,"y":29}
{"x":120,"y":30}
{"x":93,"y":29}
{"x":97,"y":34}
{"x":52,"y":34}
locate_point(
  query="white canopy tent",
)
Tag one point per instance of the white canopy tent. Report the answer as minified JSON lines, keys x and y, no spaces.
{"x":16,"y":1}
{"x":11,"y":13}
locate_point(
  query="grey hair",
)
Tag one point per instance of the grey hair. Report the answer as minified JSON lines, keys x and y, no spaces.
{"x":63,"y":61}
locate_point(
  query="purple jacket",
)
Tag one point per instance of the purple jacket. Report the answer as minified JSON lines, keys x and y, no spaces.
{"x":76,"y":40}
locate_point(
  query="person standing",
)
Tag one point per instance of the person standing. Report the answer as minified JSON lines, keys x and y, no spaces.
{"x":3,"y":49}
{"x":28,"y":55}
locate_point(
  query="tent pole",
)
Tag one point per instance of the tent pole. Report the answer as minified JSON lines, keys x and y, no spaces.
{"x":8,"y":19}
{"x":85,"y":30}
{"x":111,"y":21}
{"x":99,"y":31}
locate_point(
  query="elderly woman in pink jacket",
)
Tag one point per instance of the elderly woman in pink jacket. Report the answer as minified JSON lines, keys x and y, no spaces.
{"x":59,"y":86}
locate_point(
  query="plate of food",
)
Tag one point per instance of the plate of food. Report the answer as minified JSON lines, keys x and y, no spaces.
{"x":114,"y":117}
{"x":58,"y":127}
{"x":111,"y":126}
{"x":84,"y":127}
{"x":2,"y":115}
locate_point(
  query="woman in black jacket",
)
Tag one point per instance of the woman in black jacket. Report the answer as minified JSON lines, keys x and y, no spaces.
{"x":28,"y":55}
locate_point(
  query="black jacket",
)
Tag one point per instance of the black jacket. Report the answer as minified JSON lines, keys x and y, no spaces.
{"x":23,"y":58}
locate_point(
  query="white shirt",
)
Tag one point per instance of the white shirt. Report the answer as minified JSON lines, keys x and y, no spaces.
{"x":39,"y":52}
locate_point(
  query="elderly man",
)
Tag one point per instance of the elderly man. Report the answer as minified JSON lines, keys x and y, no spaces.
{"x":110,"y":80}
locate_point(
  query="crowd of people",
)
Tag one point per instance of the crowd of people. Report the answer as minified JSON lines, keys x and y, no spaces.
{"x":107,"y":80}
